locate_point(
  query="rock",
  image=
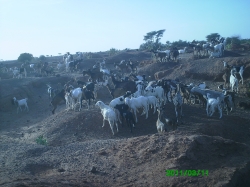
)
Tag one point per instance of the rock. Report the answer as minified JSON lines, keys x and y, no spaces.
{"x":93,"y":170}
{"x":61,"y":170}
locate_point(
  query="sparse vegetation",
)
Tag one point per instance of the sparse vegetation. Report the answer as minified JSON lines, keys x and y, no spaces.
{"x":112,"y":51}
{"x":41,"y":140}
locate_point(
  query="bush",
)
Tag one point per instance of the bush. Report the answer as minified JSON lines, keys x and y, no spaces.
{"x":40,"y":140}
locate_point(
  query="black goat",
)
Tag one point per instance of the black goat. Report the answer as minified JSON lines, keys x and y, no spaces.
{"x":126,"y":114}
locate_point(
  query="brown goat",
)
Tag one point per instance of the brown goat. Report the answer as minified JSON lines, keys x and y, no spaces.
{"x":57,"y":99}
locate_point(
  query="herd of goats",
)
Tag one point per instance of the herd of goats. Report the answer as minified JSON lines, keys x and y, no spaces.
{"x":134,"y":92}
{"x":213,"y":49}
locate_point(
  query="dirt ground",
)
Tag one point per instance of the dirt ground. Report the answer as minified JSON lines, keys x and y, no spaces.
{"x":203,"y":151}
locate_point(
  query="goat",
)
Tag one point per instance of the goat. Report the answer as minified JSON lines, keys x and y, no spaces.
{"x":158,"y":92}
{"x":153,"y":102}
{"x":57,"y":99}
{"x":168,"y":122}
{"x":118,"y":101}
{"x":108,"y":114}
{"x":159,"y":125}
{"x":182,"y":51}
{"x":125,"y":113}
{"x":87,"y":95}
{"x":20,"y":103}
{"x":215,"y":55}
{"x":136,"y":103}
{"x":234,"y":83}
{"x":238,"y":69}
{"x":76,"y":95}
{"x":51,"y":91}
{"x":213,"y":103}
{"x":177,"y":100}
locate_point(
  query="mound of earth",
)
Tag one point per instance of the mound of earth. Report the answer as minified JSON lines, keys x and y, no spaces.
{"x":204,"y":151}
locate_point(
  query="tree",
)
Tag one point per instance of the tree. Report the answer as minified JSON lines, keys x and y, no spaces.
{"x":152,"y":39}
{"x":212,"y":35}
{"x":42,"y":58}
{"x":25,"y":57}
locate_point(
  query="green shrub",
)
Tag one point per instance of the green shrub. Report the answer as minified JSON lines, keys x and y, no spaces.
{"x":40,"y":140}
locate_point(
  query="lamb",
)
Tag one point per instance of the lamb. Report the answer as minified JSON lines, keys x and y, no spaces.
{"x":159,"y":125}
{"x":20,"y":103}
{"x":213,"y":103}
{"x":108,"y":114}
{"x":136,"y":103}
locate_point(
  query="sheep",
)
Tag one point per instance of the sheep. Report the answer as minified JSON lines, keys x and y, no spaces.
{"x":20,"y":103}
{"x":168,"y":122}
{"x":108,"y":114}
{"x":136,"y":103}
{"x":213,"y":103}
{"x":234,"y":83}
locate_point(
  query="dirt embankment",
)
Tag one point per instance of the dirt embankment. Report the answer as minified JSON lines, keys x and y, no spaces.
{"x":80,"y":152}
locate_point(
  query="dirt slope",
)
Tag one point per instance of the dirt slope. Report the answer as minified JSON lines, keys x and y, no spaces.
{"x":82,"y":153}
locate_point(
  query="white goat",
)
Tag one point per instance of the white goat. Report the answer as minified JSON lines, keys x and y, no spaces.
{"x":153,"y":102}
{"x":108,"y":114}
{"x":159,"y":125}
{"x":20,"y":103}
{"x":219,"y":48}
{"x":215,"y":55}
{"x":158,"y":92}
{"x":182,"y":51}
{"x":212,"y":104}
{"x":76,"y":96}
{"x":234,"y":83}
{"x":239,"y":69}
{"x":136,"y":103}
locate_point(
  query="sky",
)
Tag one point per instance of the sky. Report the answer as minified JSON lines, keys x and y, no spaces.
{"x":50,"y":27}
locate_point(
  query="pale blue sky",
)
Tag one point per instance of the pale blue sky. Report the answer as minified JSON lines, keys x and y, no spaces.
{"x":49,"y":27}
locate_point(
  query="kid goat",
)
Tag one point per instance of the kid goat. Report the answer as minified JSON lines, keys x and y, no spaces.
{"x":20,"y":103}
